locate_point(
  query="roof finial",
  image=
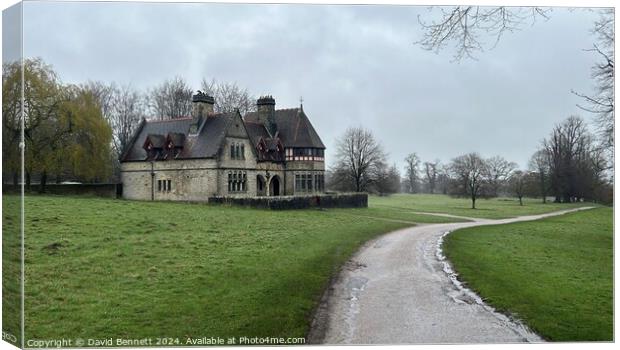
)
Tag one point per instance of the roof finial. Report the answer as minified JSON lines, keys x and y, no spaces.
{"x":301,"y":102}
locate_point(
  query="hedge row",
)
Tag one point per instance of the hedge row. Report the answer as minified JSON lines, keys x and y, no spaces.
{"x":342,"y":200}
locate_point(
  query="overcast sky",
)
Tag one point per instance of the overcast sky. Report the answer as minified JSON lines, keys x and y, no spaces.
{"x":353,"y":65}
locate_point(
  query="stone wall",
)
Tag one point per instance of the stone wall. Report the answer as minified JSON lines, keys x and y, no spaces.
{"x":343,"y":200}
{"x":191,"y":180}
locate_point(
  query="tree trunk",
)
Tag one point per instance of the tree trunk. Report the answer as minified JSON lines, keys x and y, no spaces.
{"x":473,"y":202}
{"x":521,"y":201}
{"x":543,"y":192}
{"x":43,"y":182}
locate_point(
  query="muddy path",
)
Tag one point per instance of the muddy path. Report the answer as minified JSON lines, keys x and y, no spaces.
{"x":399,"y":289}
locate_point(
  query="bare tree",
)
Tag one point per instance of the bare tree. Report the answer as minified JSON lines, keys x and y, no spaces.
{"x":387,"y":180}
{"x":430,"y":170}
{"x":602,"y":102}
{"x":122,"y":106}
{"x":129,"y":109}
{"x":518,"y":184}
{"x":499,"y":170}
{"x":574,"y":164}
{"x":539,"y":164}
{"x":443,"y":178}
{"x":171,"y":99}
{"x":469,"y":172}
{"x":358,"y":157}
{"x":464,"y":26}
{"x":411,"y":172}
{"x":229,"y":96}
{"x":104,"y":94}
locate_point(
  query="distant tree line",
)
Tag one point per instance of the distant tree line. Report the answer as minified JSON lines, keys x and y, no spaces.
{"x":570,"y":166}
{"x":79,"y":132}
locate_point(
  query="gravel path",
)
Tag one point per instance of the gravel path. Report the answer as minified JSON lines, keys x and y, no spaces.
{"x":398,"y":289}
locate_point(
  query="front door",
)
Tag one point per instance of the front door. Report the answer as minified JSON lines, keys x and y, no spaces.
{"x":274,"y":186}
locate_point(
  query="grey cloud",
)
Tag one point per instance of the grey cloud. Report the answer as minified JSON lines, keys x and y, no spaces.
{"x":353,"y":65}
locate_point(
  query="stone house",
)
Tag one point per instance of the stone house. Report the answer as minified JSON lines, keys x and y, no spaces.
{"x":269,"y":152}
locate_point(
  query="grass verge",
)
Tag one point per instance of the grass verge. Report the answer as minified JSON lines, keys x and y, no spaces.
{"x":556,"y":274}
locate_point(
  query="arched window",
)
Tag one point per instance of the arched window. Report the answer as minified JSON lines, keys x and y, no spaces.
{"x":232,"y":151}
{"x":242,"y":151}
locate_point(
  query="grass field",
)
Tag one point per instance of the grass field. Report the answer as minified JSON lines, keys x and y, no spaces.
{"x":555,"y":274}
{"x":99,"y":268}
{"x":495,"y":208}
{"x":11,"y":270}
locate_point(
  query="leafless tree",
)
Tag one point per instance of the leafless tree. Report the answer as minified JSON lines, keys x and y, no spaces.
{"x":518,"y":184}
{"x":430,"y":170}
{"x":601,"y":103}
{"x":387,"y":180}
{"x":122,"y":106}
{"x":499,"y":170}
{"x":359,"y":157}
{"x":412,"y":161}
{"x":129,"y":109}
{"x":443,"y":178}
{"x":575,"y":166}
{"x":469,"y":175}
{"x":465,"y":25}
{"x":104,"y":94}
{"x":539,"y":164}
{"x":171,"y":99}
{"x":229,"y":96}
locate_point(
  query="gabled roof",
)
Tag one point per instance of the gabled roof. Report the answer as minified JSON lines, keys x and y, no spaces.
{"x":177,"y":139}
{"x":294,"y":128}
{"x":155,"y":140}
{"x":205,"y":144}
{"x":256,"y":131}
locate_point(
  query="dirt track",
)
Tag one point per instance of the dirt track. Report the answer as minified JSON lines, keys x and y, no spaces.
{"x":398,"y":290}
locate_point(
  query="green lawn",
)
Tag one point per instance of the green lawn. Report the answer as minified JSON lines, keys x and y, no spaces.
{"x":11,"y":270}
{"x":495,"y":208}
{"x":556,"y":274}
{"x":99,"y":268}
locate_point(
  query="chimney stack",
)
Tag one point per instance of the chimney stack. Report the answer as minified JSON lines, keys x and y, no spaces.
{"x":266,"y":107}
{"x":202,"y":106}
